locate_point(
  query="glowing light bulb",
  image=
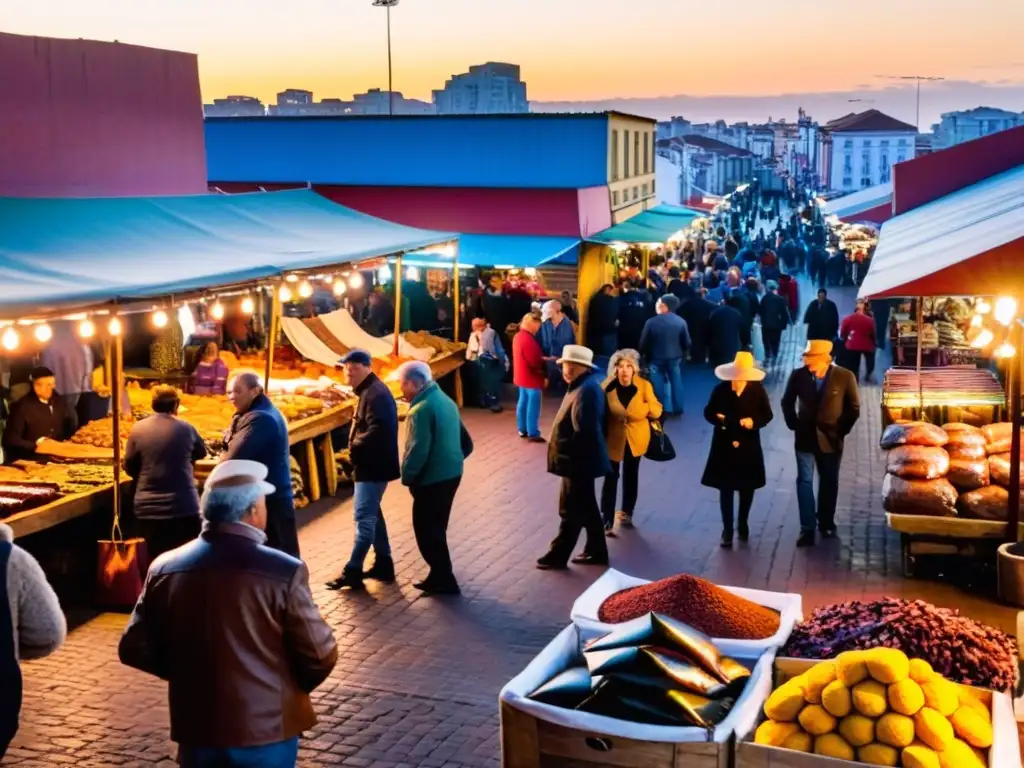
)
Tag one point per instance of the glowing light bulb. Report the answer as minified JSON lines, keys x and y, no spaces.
{"x":983,"y":339}
{"x":329,"y":279}
{"x":1004,"y":350}
{"x":248,"y":305}
{"x":412,"y":273}
{"x":217,"y":311}
{"x":305,"y":289}
{"x":1006,"y":310}
{"x":982,"y":307}
{"x":114,"y":327}
{"x":285,"y":294}
{"x":530,"y":272}
{"x":291,"y":278}
{"x":976,"y":321}
{"x":339,"y":288}
{"x":10,"y":340}
{"x":160,"y":319}
{"x":86,"y":329}
{"x":43,"y":333}
{"x":355,"y":282}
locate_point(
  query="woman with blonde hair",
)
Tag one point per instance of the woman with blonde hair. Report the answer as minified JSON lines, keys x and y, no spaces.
{"x":631,"y":405}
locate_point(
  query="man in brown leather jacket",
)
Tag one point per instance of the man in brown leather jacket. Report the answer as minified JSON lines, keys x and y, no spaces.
{"x":231,"y":625}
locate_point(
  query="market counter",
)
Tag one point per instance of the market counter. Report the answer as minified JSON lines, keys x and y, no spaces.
{"x":62,"y":510}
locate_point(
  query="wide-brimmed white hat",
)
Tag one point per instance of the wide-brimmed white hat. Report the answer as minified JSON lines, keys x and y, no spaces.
{"x":237,"y":471}
{"x":574,"y":353}
{"x":740,"y":369}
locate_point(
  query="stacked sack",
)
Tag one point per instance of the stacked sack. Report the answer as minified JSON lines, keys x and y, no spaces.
{"x":916,"y":466}
{"x":879,"y":708}
{"x":988,"y":501}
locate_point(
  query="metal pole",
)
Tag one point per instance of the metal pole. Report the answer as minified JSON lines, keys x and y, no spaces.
{"x":391,"y":98}
{"x":1013,"y":506}
{"x":920,"y":346}
{"x":272,"y":330}
{"x":117,"y":368}
{"x":398,"y":303}
{"x":456,"y":300}
{"x":918,"y":104}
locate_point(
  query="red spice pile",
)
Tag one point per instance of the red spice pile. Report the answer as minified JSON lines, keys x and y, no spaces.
{"x":704,"y":606}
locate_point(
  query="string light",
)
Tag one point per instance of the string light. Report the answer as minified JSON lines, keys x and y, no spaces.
{"x":86,"y":329}
{"x":114,"y":327}
{"x":982,"y":307}
{"x":976,"y":321}
{"x":383,"y":274}
{"x":160,"y":319}
{"x":10,"y":340}
{"x":291,"y":278}
{"x":983,"y":339}
{"x":412,"y":273}
{"x":217,"y":311}
{"x":1006,"y":309}
{"x":339,"y":288}
{"x":1004,"y":350}
{"x":284,"y":294}
{"x":305,"y":289}
{"x":355,"y":282}
{"x":43,"y":333}
{"x":248,"y":305}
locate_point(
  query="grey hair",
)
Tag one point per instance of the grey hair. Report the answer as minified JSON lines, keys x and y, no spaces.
{"x":250,"y":379}
{"x":229,"y":503}
{"x":417,"y":372}
{"x":630,"y":356}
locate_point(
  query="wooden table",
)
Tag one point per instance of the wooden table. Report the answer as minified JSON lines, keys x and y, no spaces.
{"x":929,"y":535}
{"x":60,"y":511}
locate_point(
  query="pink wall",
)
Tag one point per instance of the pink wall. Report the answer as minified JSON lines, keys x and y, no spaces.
{"x":80,"y":118}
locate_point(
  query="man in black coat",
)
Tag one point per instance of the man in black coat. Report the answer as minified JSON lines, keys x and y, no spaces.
{"x":822,"y":318}
{"x":774,"y":320}
{"x":373,"y":451}
{"x":636,"y":307}
{"x":820,"y":405}
{"x":602,"y":323}
{"x":38,"y":416}
{"x":697,"y":314}
{"x":725,"y":327}
{"x":577,"y":453}
{"x":679,"y":285}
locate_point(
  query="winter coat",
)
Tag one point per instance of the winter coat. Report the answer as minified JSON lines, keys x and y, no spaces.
{"x":527,"y":361}
{"x":858,"y":333}
{"x":373,"y":439}
{"x":159,"y":455}
{"x":736,"y":461}
{"x":602,"y":314}
{"x":774,"y":312}
{"x":433,"y":446}
{"x":31,"y":420}
{"x":665,"y":337}
{"x":822,"y":320}
{"x":553,"y":338}
{"x":725,"y":327}
{"x":790,"y":291}
{"x":632,"y":424}
{"x":821,"y":418}
{"x":635,"y":309}
{"x":576,"y":447}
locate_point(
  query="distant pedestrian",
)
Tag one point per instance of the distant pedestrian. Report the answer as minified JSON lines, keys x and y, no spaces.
{"x":32,"y":626}
{"x":636,"y":307}
{"x":232,"y":627}
{"x":774,"y":320}
{"x":373,"y":452}
{"x":602,"y":324}
{"x":528,"y":374}
{"x":725,"y":328}
{"x":663,"y":345}
{"x":738,"y":409}
{"x":435,"y":447}
{"x":822,"y":318}
{"x":485,"y":353}
{"x":857,"y":333}
{"x":555,"y":332}
{"x":577,"y":453}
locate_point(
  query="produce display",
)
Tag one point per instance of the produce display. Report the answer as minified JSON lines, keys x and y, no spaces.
{"x":957,"y":647}
{"x":913,"y":433}
{"x":654,"y":670}
{"x":67,"y":478}
{"x":879,"y":707}
{"x":18,"y":497}
{"x":100,"y":433}
{"x":920,"y":462}
{"x":704,"y":606}
{"x":920,"y":497}
{"x":424,"y":340}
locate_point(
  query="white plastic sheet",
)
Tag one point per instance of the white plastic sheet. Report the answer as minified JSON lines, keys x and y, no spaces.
{"x":405,"y":349}
{"x":347,"y":331}
{"x":306,"y":343}
{"x":789,"y":606}
{"x":561,"y":653}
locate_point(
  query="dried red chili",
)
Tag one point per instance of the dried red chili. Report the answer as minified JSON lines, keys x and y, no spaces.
{"x":704,"y":606}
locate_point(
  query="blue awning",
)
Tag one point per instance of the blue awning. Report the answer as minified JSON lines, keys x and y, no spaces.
{"x":56,"y":252}
{"x":520,"y":251}
{"x":655,"y":225}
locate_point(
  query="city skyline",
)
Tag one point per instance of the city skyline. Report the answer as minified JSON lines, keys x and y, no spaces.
{"x":572,"y":51}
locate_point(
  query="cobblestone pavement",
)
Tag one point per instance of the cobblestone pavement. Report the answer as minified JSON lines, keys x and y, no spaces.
{"x":418,"y":678}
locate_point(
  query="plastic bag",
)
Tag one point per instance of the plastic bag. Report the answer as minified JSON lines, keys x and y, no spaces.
{"x":664,"y":631}
{"x":913,"y":433}
{"x":922,"y":462}
{"x":964,"y":452}
{"x":968,"y":474}
{"x":999,"y":469}
{"x":994,"y":433}
{"x":919,"y":497}
{"x":988,"y":503}
{"x":960,"y":428}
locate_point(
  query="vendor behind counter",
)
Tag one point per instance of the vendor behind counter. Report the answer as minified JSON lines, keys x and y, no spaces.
{"x":39,"y":415}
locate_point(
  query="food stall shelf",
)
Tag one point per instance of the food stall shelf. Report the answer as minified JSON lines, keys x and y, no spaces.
{"x":922,"y":535}
{"x":941,"y":388}
{"x":60,"y":511}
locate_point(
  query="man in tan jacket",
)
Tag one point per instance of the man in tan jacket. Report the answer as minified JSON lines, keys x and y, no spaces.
{"x":231,"y":625}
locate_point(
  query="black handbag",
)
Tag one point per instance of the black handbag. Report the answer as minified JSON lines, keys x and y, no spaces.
{"x":660,"y":448}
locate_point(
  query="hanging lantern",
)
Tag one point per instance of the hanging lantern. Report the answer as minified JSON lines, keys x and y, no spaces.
{"x":160,"y":319}
{"x":43,"y":333}
{"x":114,"y":327}
{"x":10,"y":340}
{"x":86,"y":329}
{"x":248,"y":306}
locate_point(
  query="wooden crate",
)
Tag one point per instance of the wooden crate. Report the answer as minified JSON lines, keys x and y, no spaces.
{"x":527,"y":742}
{"x":751,"y":755}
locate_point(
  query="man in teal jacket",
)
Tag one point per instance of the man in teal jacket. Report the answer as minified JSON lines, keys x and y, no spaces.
{"x":435,"y":448}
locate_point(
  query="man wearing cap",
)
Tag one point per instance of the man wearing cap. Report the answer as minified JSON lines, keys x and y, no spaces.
{"x":774,"y":313}
{"x":373,"y":451}
{"x":663,"y":343}
{"x":577,"y":453}
{"x":231,"y":625}
{"x":820,"y":405}
{"x":38,"y":416}
{"x":260,"y":433}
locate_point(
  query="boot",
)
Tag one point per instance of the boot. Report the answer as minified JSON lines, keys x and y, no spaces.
{"x":742,"y":529}
{"x":350,"y":579}
{"x":383,"y":570}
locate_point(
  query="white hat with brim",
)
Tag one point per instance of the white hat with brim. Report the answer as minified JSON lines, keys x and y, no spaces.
{"x":574,"y":353}
{"x":236,"y":472}
{"x":740,"y":369}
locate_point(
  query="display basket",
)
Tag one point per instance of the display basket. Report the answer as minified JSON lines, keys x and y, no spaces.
{"x":537,"y":735}
{"x":790,"y":608}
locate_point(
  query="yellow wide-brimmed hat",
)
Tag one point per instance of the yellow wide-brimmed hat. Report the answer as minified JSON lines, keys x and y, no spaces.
{"x":818,"y":348}
{"x":740,"y":369}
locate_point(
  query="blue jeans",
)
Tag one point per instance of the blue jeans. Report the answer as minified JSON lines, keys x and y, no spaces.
{"x":668,"y":374}
{"x":284,"y":754}
{"x":370,"y":527}
{"x":528,"y":412}
{"x":827,"y":464}
{"x":489,"y":373}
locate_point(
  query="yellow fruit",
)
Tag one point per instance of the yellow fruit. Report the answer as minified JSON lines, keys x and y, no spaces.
{"x":799,"y":741}
{"x":816,"y":679}
{"x":869,"y":698}
{"x":816,"y":721}
{"x":920,"y":671}
{"x":895,"y":729}
{"x":972,"y":727}
{"x":836,"y":699}
{"x":879,"y":754}
{"x":933,"y":729}
{"x":850,"y":668}
{"x":785,"y":702}
{"x":959,"y":755}
{"x":919,"y":755}
{"x":833,"y":745}
{"x":774,"y":734}
{"x":857,"y":730}
{"x":941,"y":695}
{"x":887,"y":665}
{"x":906,"y":697}
{"x":967,"y":699}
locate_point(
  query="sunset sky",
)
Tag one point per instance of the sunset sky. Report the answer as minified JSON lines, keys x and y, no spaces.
{"x":569,"y":49}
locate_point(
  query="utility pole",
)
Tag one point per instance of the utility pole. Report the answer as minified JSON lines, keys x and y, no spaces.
{"x":919,"y":79}
{"x":387,"y":5}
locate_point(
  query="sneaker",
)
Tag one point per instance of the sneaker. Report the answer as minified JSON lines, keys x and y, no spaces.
{"x":523,"y":436}
{"x":536,"y":439}
{"x":805,"y":540}
{"x":383,"y":570}
{"x":625,"y":518}
{"x":586,"y":559}
{"x":350,"y":579}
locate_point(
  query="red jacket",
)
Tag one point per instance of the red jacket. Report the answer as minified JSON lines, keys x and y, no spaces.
{"x":791,"y":291}
{"x":527,"y":361}
{"x":858,"y":332}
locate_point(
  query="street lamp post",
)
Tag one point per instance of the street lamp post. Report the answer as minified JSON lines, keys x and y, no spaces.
{"x":387,"y":5}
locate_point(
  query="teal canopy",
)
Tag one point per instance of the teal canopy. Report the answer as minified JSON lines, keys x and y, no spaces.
{"x":56,"y":253}
{"x":655,"y":225}
{"x":502,"y":251}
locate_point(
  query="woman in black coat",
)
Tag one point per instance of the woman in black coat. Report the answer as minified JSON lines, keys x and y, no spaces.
{"x":738,"y":409}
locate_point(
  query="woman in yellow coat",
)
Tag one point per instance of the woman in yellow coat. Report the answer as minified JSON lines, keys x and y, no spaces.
{"x":631,"y":405}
